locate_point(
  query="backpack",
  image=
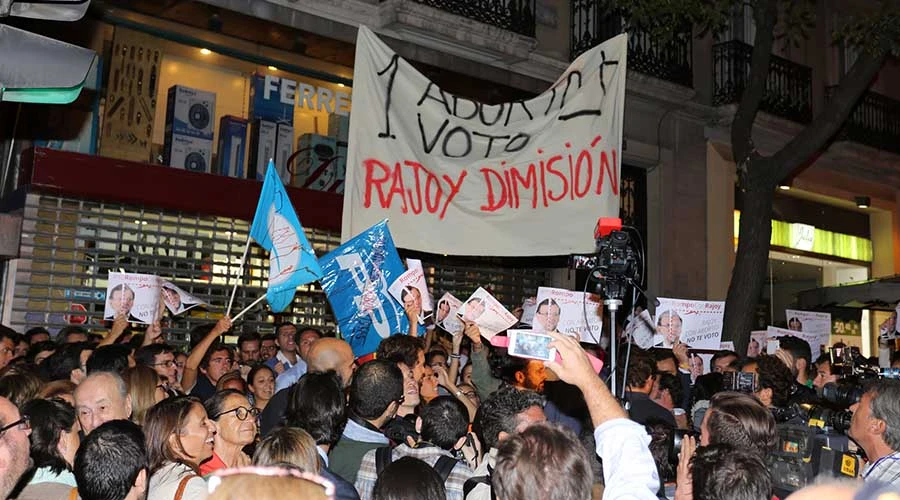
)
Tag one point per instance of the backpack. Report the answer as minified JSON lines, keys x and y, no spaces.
{"x":444,"y":465}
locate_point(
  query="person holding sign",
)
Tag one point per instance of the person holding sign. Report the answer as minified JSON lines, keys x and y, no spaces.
{"x":546,"y":317}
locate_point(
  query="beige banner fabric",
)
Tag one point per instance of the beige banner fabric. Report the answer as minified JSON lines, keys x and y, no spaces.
{"x":455,"y":176}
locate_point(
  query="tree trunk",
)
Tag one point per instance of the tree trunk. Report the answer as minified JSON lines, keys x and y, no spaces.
{"x":749,"y":276}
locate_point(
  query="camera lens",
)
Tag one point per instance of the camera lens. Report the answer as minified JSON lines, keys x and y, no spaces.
{"x":841,"y":394}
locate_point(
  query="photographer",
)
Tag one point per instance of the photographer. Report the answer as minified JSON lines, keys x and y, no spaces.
{"x":875,"y":427}
{"x":775,"y":380}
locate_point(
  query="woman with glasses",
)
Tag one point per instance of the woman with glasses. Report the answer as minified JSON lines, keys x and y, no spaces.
{"x":54,"y":441}
{"x":179,"y":437}
{"x":235,"y":420}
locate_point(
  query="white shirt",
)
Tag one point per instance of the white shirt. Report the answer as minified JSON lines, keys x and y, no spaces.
{"x":164,"y":483}
{"x":628,"y":467}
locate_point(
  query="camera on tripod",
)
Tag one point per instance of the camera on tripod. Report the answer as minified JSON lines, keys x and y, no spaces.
{"x":616,"y":263}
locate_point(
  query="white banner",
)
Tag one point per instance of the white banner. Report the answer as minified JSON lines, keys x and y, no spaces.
{"x":697,"y":323}
{"x":564,"y":311}
{"x":458,"y":176}
{"x":815,"y":326}
{"x":640,"y":329}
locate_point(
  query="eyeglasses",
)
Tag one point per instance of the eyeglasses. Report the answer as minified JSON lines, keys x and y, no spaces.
{"x":241,"y":412}
{"x":23,"y":423}
{"x":167,"y":364}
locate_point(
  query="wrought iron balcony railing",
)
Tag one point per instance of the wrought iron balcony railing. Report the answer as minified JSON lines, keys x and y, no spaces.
{"x":788,"y":91}
{"x":668,"y":60}
{"x":512,"y":15}
{"x":875,"y":121}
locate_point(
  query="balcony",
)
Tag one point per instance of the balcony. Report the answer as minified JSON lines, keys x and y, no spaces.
{"x":875,"y":121}
{"x":669,"y":60}
{"x":788,"y":87}
{"x":514,"y":15}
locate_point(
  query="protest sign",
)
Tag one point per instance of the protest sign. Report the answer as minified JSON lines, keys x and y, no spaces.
{"x":446,"y":317}
{"x":529,"y":307}
{"x":640,"y":329}
{"x":490,"y":316}
{"x":815,"y":326}
{"x":480,"y":179}
{"x":887,"y":330}
{"x":410,"y":290}
{"x":757,"y":343}
{"x":177,"y":300}
{"x":846,"y":322}
{"x":815,"y":340}
{"x":355,"y":279}
{"x":573,"y":313}
{"x":136,"y":296}
{"x":697,"y":323}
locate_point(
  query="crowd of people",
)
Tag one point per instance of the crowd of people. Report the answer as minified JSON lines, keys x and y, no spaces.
{"x":294,"y":413}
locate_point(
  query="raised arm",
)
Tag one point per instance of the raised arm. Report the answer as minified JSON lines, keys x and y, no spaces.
{"x":628,"y":467}
{"x":192,"y":364}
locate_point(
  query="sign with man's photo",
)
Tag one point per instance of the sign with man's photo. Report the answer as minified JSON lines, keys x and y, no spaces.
{"x":573,"y":313}
{"x":486,"y":312}
{"x":697,"y":323}
{"x":132,"y":296}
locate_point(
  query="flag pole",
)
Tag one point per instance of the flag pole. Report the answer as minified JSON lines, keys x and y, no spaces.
{"x":257,"y":301}
{"x":239,"y":276}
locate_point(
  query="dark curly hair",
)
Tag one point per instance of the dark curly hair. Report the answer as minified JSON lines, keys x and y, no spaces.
{"x":498,"y":413}
{"x":773,"y":374}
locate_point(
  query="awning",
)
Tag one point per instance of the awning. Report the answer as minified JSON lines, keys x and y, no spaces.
{"x":37,"y":69}
{"x":878,"y":295}
{"x":57,"y":10}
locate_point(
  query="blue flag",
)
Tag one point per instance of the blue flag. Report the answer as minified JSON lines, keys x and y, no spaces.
{"x":292,"y":261}
{"x":356,"y":279}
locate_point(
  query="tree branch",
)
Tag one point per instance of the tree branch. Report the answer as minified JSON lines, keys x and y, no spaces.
{"x":765,"y":14}
{"x":827,"y":123}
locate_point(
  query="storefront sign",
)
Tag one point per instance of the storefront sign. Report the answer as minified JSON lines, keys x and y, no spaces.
{"x":462,"y":177}
{"x":803,"y":237}
{"x":284,"y":91}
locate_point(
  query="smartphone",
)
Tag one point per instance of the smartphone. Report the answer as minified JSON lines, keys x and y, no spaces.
{"x":527,"y":344}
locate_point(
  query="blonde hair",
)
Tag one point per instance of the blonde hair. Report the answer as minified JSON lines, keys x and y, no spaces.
{"x":142,"y":382}
{"x":268,"y":483}
{"x":288,"y":445}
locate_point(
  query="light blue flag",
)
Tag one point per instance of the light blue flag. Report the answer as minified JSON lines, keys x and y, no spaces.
{"x":292,"y":261}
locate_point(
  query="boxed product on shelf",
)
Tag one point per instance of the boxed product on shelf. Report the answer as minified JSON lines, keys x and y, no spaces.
{"x":190,"y":112}
{"x":262,"y":148}
{"x":266,"y":103}
{"x":284,"y":147}
{"x":189,"y":153}
{"x":232,"y":147}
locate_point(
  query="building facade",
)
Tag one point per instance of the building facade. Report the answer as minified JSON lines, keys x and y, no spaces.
{"x":678,"y":172}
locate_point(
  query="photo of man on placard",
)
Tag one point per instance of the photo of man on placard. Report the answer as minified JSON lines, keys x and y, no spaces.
{"x":121,"y":300}
{"x":473,"y":309}
{"x":546,"y":317}
{"x":669,"y":326}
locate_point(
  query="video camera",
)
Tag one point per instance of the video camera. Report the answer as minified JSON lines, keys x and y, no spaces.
{"x":802,"y":453}
{"x":616,"y":263}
